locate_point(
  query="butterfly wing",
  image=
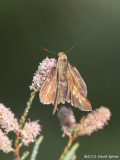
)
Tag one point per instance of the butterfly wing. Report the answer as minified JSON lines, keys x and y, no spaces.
{"x":48,"y":91}
{"x":77,"y":90}
{"x":78,"y":79}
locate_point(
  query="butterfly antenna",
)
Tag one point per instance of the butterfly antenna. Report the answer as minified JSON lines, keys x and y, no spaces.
{"x":71,"y":47}
{"x":43,"y":48}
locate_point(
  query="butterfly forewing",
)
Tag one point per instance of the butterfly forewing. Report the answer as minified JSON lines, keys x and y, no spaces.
{"x":49,"y":88}
{"x":78,"y":79}
{"x":75,"y":93}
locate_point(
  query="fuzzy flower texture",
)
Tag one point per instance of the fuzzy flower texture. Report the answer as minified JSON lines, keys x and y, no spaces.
{"x":5,"y":142}
{"x":7,"y":119}
{"x":9,"y":123}
{"x":95,"y":120}
{"x":42,"y":73}
{"x":30,"y":132}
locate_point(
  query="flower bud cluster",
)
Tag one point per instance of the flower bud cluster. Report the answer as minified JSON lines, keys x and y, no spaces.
{"x":95,"y":120}
{"x":41,"y":74}
{"x":30,"y":131}
{"x":9,"y":123}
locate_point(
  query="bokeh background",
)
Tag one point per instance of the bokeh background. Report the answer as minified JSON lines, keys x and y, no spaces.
{"x":25,"y":26}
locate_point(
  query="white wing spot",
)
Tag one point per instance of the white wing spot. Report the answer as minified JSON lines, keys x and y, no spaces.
{"x":73,"y":92}
{"x":48,"y":89}
{"x":83,"y":98}
{"x":75,"y":88}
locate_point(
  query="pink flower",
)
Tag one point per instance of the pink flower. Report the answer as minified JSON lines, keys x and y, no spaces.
{"x":67,"y":119}
{"x":7,"y":119}
{"x":30,"y":131}
{"x":5,"y":143}
{"x":95,"y":120}
{"x":42,"y":73}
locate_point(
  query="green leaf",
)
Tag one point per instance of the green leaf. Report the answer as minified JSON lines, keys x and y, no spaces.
{"x":25,"y":154}
{"x":71,"y":153}
{"x":36,"y":147}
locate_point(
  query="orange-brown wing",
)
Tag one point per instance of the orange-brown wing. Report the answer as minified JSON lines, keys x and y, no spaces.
{"x":48,"y":91}
{"x":75,"y":93}
{"x":78,"y":79}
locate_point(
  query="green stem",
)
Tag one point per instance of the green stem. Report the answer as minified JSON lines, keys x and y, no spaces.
{"x":76,"y":131}
{"x":71,"y":140}
{"x":23,"y":118}
{"x":22,"y":121}
{"x":66,"y":148}
{"x":71,"y":154}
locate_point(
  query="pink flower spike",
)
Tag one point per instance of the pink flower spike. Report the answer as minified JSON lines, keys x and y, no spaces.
{"x":95,"y":120}
{"x":41,"y":74}
{"x":7,"y":119}
{"x":30,"y":131}
{"x":5,"y":143}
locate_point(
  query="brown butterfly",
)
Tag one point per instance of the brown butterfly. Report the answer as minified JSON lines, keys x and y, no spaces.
{"x":64,"y":83}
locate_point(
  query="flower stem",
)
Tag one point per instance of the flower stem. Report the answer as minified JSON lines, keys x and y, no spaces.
{"x":69,"y":144}
{"x":17,"y":157}
{"x":23,"y":118}
{"x":22,"y":121}
{"x":66,"y":148}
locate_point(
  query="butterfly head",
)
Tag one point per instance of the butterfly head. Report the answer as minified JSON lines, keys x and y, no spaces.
{"x":62,"y":55}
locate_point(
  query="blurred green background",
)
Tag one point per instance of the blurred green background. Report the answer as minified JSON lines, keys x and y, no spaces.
{"x":25,"y":26}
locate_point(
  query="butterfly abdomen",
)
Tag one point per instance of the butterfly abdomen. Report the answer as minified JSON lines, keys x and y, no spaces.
{"x":62,"y":79}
